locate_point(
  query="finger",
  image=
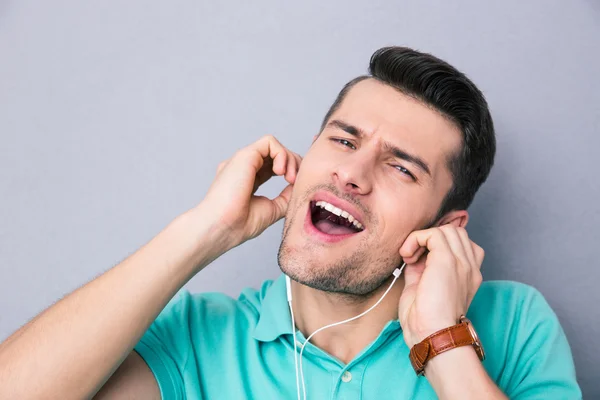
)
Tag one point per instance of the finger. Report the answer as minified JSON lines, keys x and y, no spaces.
{"x":415,"y":257}
{"x":274,"y":159}
{"x":431,"y":239}
{"x":456,"y":244}
{"x":296,"y":164}
{"x":479,"y":254}
{"x":280,"y":160}
{"x":467,"y":245}
{"x":475,"y":271}
{"x":268,"y":146}
{"x":298,"y":158}
{"x":264,"y":174}
{"x":290,"y":173}
{"x":284,"y":161}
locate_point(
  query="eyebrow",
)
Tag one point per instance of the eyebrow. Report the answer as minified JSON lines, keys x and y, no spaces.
{"x":389,"y":147}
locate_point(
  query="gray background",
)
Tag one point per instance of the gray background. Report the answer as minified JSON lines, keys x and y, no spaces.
{"x":114,"y":116}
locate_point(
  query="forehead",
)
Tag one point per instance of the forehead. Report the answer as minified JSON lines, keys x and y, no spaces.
{"x":383,"y":111}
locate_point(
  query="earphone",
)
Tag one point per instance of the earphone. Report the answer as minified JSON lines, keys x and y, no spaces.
{"x":288,"y":285}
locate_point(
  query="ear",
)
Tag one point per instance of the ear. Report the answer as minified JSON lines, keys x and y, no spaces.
{"x":458,"y":218}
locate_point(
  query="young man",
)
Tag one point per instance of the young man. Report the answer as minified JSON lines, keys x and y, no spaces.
{"x":385,"y":184}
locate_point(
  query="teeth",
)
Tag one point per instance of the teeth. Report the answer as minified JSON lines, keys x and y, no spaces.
{"x":339,"y":212}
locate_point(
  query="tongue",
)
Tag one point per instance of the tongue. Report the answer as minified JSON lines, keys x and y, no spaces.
{"x":332,"y":228}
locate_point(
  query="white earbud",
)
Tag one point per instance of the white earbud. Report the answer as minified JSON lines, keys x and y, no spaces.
{"x":397,"y":272}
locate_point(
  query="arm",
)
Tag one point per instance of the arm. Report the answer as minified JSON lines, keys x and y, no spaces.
{"x":74,"y":346}
{"x":132,"y":380}
{"x":458,"y":373}
{"x":439,"y":286}
{"x":538,"y":365}
{"x":72,"y":349}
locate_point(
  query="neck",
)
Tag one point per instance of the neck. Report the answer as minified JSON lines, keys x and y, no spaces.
{"x":314,"y":309}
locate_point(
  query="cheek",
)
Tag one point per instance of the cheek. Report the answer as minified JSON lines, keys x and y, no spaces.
{"x":312,"y":169}
{"x":310,"y":174}
{"x":402,"y":218}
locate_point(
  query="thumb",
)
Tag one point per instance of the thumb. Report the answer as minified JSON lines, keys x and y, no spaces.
{"x":412,"y":276}
{"x":280,"y":203}
{"x":415,"y":264}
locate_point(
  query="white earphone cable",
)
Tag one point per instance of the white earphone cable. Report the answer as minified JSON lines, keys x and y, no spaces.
{"x":288,"y":289}
{"x":396,"y":274}
{"x":295,"y":348}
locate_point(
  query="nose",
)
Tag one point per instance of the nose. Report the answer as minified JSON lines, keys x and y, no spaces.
{"x":354,"y":174}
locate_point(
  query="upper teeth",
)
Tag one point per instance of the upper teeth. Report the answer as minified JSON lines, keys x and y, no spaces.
{"x":339,"y":212}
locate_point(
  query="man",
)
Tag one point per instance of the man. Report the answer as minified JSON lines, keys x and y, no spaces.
{"x":386,"y":183}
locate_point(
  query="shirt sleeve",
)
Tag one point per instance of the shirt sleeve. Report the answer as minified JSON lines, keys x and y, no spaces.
{"x":541,"y":358}
{"x":166,"y":346}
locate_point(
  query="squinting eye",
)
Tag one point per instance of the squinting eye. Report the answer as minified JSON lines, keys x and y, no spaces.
{"x":405,"y":171}
{"x":346,"y":143}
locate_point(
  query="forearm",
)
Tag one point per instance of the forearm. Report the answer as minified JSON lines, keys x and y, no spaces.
{"x":73,"y":347}
{"x":458,"y":373}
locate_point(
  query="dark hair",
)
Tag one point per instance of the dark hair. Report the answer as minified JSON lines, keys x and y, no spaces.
{"x":441,"y":86}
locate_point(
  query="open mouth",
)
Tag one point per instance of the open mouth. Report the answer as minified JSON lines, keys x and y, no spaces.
{"x":331,"y":220}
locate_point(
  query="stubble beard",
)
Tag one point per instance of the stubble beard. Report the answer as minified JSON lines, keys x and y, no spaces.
{"x":354,"y":276}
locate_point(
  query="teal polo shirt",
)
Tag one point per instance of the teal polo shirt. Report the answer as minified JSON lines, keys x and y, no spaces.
{"x":211,"y":346}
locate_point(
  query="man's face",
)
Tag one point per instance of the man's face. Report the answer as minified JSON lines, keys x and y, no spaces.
{"x":356,"y":165}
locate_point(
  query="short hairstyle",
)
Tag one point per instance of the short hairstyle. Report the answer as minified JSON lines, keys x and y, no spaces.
{"x":439,"y":85}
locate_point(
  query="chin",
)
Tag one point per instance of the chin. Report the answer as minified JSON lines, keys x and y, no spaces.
{"x":344,"y":275}
{"x":348,"y":264}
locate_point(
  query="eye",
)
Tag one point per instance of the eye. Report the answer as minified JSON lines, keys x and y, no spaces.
{"x":405,"y":171}
{"x":345,"y":142}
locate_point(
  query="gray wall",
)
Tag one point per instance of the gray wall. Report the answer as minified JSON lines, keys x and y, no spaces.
{"x":114,"y":116}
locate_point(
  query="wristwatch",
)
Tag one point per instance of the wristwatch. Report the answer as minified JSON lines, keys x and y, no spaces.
{"x":462,"y":334}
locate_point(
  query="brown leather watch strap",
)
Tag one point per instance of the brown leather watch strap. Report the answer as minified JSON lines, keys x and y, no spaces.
{"x":455,"y":336}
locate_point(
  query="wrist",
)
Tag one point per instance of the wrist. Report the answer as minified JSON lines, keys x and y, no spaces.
{"x":440,"y":365}
{"x":444,"y":340}
{"x":204,"y":238}
{"x":417,"y":335}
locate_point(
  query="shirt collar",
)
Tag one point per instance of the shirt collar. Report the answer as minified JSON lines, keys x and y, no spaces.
{"x":275,"y":319}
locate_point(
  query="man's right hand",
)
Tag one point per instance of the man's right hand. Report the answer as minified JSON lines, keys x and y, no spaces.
{"x":74,"y":347}
{"x":231,"y":202}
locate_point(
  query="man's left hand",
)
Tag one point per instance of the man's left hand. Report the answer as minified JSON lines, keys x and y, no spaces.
{"x":441,"y":276}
